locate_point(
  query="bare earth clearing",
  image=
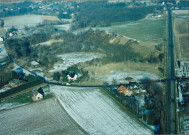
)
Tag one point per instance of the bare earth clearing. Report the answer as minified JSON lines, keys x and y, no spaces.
{"x":45,"y":117}
{"x":71,"y":59}
{"x":97,"y":113}
{"x":119,"y":71}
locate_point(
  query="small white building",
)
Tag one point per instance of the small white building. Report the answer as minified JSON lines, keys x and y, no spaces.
{"x":10,"y":34}
{"x":1,"y":39}
{"x":38,"y":96}
{"x":34,"y":64}
{"x":73,"y":79}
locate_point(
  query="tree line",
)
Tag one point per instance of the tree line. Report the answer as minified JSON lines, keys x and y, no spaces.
{"x":102,"y":14}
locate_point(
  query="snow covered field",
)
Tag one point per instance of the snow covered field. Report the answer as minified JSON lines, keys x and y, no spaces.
{"x":45,"y":117}
{"x":181,"y":12}
{"x":27,"y":20}
{"x":97,"y":113}
{"x":120,"y":76}
{"x":70,"y":59}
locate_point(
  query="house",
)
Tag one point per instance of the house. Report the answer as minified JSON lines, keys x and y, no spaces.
{"x":1,"y":39}
{"x":34,"y":64}
{"x":72,"y":77}
{"x":124,"y":90}
{"x":37,"y":96}
{"x":10,"y":34}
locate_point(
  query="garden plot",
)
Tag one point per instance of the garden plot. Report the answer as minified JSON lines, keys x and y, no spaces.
{"x":45,"y":117}
{"x":97,"y":113}
{"x":71,"y":59}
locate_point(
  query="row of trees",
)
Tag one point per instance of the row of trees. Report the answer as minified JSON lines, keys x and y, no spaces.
{"x":2,"y":23}
{"x":99,"y":14}
{"x":133,"y":103}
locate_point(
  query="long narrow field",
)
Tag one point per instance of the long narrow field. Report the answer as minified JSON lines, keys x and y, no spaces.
{"x":45,"y":117}
{"x":98,"y":113}
{"x":27,"y":20}
{"x":181,"y":27}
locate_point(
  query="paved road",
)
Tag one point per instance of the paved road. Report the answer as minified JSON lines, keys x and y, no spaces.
{"x":170,"y":101}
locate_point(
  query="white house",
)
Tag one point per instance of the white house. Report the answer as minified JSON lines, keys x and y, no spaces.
{"x":1,"y":39}
{"x":10,"y":34}
{"x":34,"y":63}
{"x":70,"y":78}
{"x":37,"y":96}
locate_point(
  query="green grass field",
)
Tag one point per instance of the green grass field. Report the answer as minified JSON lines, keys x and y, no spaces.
{"x":143,"y":30}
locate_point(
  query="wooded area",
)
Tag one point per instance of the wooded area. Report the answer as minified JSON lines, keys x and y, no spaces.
{"x":86,"y":41}
{"x":92,"y":14}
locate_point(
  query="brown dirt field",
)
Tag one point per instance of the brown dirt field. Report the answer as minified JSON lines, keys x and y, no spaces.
{"x":184,"y":42}
{"x":145,"y":49}
{"x":102,"y":73}
{"x":182,"y":26}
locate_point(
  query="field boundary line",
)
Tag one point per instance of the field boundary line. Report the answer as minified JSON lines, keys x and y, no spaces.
{"x":125,"y":109}
{"x":70,"y":116}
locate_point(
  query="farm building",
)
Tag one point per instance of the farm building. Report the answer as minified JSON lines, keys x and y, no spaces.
{"x":37,"y":96}
{"x":35,"y":64}
{"x":1,"y":39}
{"x":124,"y":90}
{"x":72,"y":77}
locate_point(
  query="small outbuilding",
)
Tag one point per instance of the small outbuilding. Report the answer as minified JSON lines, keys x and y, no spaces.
{"x":1,"y":39}
{"x":34,"y":64}
{"x":37,"y":96}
